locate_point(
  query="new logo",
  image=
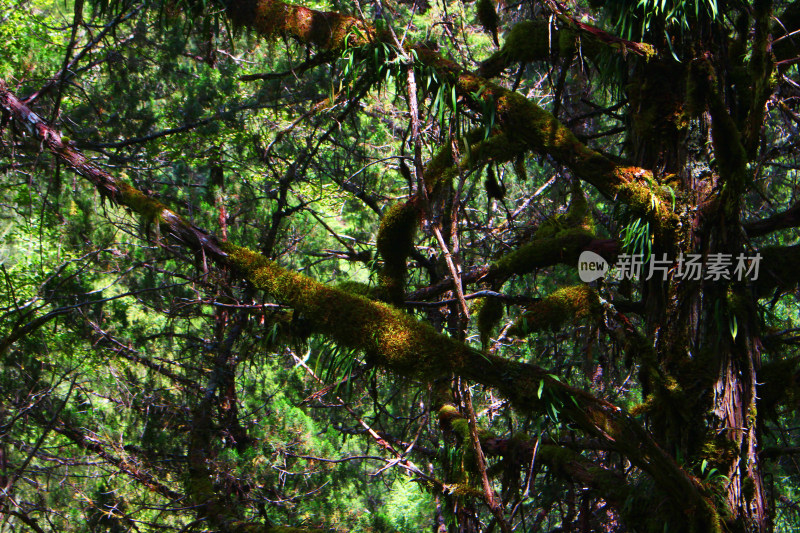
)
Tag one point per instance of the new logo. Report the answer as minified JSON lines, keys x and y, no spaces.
{"x":591,"y":266}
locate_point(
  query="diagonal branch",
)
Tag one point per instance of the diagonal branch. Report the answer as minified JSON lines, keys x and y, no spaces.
{"x":783,"y":220}
{"x":391,"y":338}
{"x":530,"y":126}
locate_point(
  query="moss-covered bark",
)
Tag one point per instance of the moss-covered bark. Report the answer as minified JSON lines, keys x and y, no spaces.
{"x":396,"y":341}
{"x":564,"y":305}
{"x":325,"y":29}
{"x":395,"y":243}
{"x":542,"y":40}
{"x":489,"y":312}
{"x":530,"y":126}
{"x":562,"y":248}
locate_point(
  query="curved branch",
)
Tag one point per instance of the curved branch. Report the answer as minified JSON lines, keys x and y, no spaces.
{"x":530,"y":126}
{"x":783,"y":220}
{"x":391,"y":338}
{"x":539,"y":40}
{"x":779,"y":270}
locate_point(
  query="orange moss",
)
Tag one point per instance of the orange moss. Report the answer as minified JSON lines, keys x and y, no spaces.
{"x":324,"y":29}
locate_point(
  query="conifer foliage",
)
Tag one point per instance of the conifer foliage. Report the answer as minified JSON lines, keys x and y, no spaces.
{"x":402,"y":265}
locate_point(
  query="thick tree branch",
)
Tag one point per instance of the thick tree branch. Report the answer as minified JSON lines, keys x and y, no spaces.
{"x":540,"y":40}
{"x":783,"y":220}
{"x":391,"y":338}
{"x":779,"y":269}
{"x":530,"y":126}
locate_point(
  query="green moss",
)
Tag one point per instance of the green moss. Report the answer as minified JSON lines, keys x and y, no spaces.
{"x":396,"y":233}
{"x":151,"y":210}
{"x":579,"y":213}
{"x":395,"y":339}
{"x":487,"y":16}
{"x":574,"y":303}
{"x":464,"y":490}
{"x":719,"y":451}
{"x":395,"y":242}
{"x":563,"y":247}
{"x":460,"y":427}
{"x":355,"y":287}
{"x":532,"y":128}
{"x":447,"y":413}
{"x":499,"y":148}
{"x":527,"y":41}
{"x":650,"y":200}
{"x":643,"y":408}
{"x":489,"y":312}
{"x":537,"y":40}
{"x":577,"y":216}
{"x":437,"y":168}
{"x":270,"y":17}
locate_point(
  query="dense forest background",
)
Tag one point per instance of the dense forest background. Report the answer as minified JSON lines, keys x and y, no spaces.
{"x":277,"y":267}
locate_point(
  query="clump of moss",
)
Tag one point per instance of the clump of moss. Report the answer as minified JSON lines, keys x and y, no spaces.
{"x":499,"y":147}
{"x":355,"y":287}
{"x":465,"y":490}
{"x":270,"y":18}
{"x":489,"y":312}
{"x":562,"y":247}
{"x":448,"y":413}
{"x":568,"y":304}
{"x":531,"y":40}
{"x":395,"y":242}
{"x":140,"y":203}
{"x":390,"y":337}
{"x":719,"y":451}
{"x":643,"y":408}
{"x":577,"y":216}
{"x":487,"y":16}
{"x":439,"y":168}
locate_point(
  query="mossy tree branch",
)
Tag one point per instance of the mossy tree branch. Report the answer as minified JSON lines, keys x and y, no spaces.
{"x":576,"y":303}
{"x":779,"y":269}
{"x":325,"y":29}
{"x":539,"y":40}
{"x":520,"y":452}
{"x":531,"y":127}
{"x":789,"y":218}
{"x":391,"y":338}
